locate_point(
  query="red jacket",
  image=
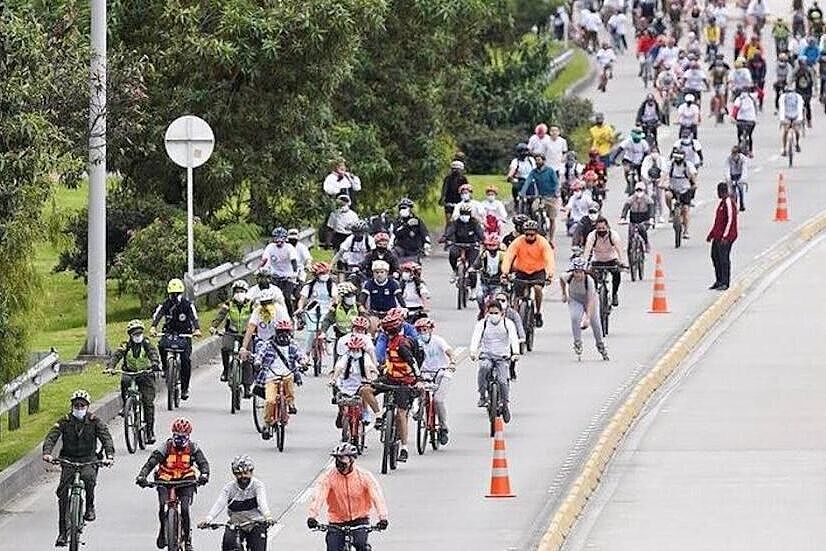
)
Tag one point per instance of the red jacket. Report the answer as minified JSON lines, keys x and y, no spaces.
{"x":645,"y":43}
{"x":725,"y":221}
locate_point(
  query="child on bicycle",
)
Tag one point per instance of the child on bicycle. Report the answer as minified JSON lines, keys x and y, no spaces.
{"x":352,"y":375}
{"x":415,"y":293}
{"x":438,"y":366}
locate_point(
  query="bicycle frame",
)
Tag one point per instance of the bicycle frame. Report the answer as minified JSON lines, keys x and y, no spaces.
{"x":347,"y":531}
{"x":236,"y":528}
{"x":494,"y":390}
{"x":172,"y":511}
{"x":351,"y":409}
{"x":77,"y":489}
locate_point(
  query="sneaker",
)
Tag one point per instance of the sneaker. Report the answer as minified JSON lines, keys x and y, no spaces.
{"x":160,"y":542}
{"x":722,"y":288}
{"x":506,"y":413}
{"x":783,"y":153}
{"x":603,"y":352}
{"x":472,"y":294}
{"x":150,"y":438}
{"x":714,"y":287}
{"x":339,"y":422}
{"x":443,"y":437}
{"x":185,"y":395}
{"x":266,"y":434}
{"x":537,"y":321}
{"x":188,"y":546}
{"x":482,"y":403}
{"x":578,"y":348}
{"x":402,"y":455}
{"x":742,"y":208}
{"x":89,"y":516}
{"x":379,"y":424}
{"x":685,"y":235}
{"x":615,"y":301}
{"x":62,"y":540}
{"x":797,"y":148}
{"x":292,"y":410}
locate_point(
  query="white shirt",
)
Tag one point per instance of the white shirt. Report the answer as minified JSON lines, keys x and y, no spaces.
{"x":335,"y":186}
{"x":740,"y":78}
{"x":279,"y":259}
{"x":521,"y":168}
{"x":691,"y":149}
{"x":435,"y":354}
{"x":496,"y":208}
{"x":729,"y":167}
{"x":720,"y":15}
{"x":255,"y":291}
{"x":605,"y":57}
{"x":667,"y":56}
{"x":266,"y":329}
{"x":231,"y":492}
{"x":411,"y":297}
{"x":320,"y":294}
{"x":340,"y":221}
{"x":540,"y":145}
{"x":369,"y":347}
{"x":476,"y":210}
{"x":634,"y":152}
{"x":695,"y":79}
{"x":579,"y":203}
{"x":746,"y":107}
{"x":555,"y":153}
{"x":784,"y":114}
{"x":509,"y":345}
{"x":650,"y":162}
{"x":304,"y":256}
{"x":591,"y":20}
{"x":679,"y":177}
{"x":688,"y":114}
{"x":756,"y":8}
{"x":619,"y":22}
{"x":353,"y":254}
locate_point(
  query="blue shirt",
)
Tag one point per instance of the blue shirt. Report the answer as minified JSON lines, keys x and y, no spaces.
{"x":381,"y":298}
{"x":381,"y":341}
{"x":542,"y":182}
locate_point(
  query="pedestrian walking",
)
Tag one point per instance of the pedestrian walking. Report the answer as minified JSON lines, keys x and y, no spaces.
{"x":722,"y":236}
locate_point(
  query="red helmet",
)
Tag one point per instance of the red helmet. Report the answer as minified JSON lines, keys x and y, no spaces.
{"x":182,"y":425}
{"x":360,"y":322}
{"x":393,"y":320}
{"x":424,"y":323}
{"x":492,"y":241}
{"x":320,"y":268}
{"x":413,"y":267}
{"x":355,"y":343}
{"x":382,"y":236}
{"x":465,"y":187}
{"x":284,"y":325}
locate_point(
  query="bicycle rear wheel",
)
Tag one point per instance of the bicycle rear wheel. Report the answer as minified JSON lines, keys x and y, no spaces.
{"x":258,"y":412}
{"x":421,"y":431}
{"x":388,"y":447}
{"x":432,"y":426}
{"x":177,"y":382}
{"x":171,"y":376}
{"x":173,"y":530}
{"x":130,"y":424}
{"x":75,"y":521}
{"x":142,"y":428}
{"x":493,"y":404}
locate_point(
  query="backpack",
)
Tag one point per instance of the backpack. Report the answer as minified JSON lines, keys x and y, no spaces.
{"x":311,"y":287}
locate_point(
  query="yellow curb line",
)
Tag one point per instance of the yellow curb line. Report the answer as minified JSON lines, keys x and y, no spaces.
{"x":563,"y":520}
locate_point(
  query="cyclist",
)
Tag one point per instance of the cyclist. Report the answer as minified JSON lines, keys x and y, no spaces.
{"x":640,"y":207}
{"x":783,"y":71}
{"x":489,"y":267}
{"x":380,"y":293}
{"x":781,"y":33}
{"x":740,"y":77}
{"x":519,"y":168}
{"x":383,"y":252}
{"x":688,"y":115}
{"x":305,"y":258}
{"x":339,"y":222}
{"x":316,"y":298}
{"x":757,"y":68}
{"x":467,"y":200}
{"x":695,"y":80}
{"x":713,"y":35}
{"x":263,"y":281}
{"x":399,"y":367}
{"x":438,"y":365}
{"x":518,"y":221}
{"x":579,"y":290}
{"x":180,"y":318}
{"x":245,"y":500}
{"x":585,"y":226}
{"x":633,"y":149}
{"x":692,"y":148}
{"x":79,"y":432}
{"x":340,"y":317}
{"x":360,"y":329}
{"x":282,"y":260}
{"x":603,"y":249}
{"x":744,"y":112}
{"x":571,"y":170}
{"x":603,"y":137}
{"x":178,"y":459}
{"x":279,"y":358}
{"x":596,"y":180}
{"x":682,"y":185}
{"x":414,"y":290}
{"x":530,"y":258}
{"x":735,"y":169}
{"x":353,"y":372}
{"x":350,"y":494}
{"x":542,"y":183}
{"x":262,"y":323}
{"x":353,"y":250}
{"x":649,"y":117}
{"x":510,"y":313}
{"x":821,"y":69}
{"x":466,"y":230}
{"x":234,"y":315}
{"x":451,"y":184}
{"x":791,"y":116}
{"x":719,"y":74}
{"x":739,"y":40}
{"x":495,"y":213}
{"x":606,"y":58}
{"x":138,"y":354}
{"x":578,"y":205}
{"x":804,"y":85}
{"x":653,"y":171}
{"x":666,"y":85}
{"x":410,"y":236}
{"x":495,"y":343}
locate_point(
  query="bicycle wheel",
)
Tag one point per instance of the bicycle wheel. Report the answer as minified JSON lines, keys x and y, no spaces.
{"x":678,"y":231}
{"x":75,"y":521}
{"x":141,"y":430}
{"x":432,"y":426}
{"x":605,"y":309}
{"x":234,"y":386}
{"x":493,"y":404}
{"x":280,"y":433}
{"x":171,"y":375}
{"x":790,"y":146}
{"x":530,"y":323}
{"x":641,"y":264}
{"x":173,"y":530}
{"x":461,"y":287}
{"x":280,"y":426}
{"x":177,"y":392}
{"x":387,"y":438}
{"x":421,"y":429}
{"x":317,"y":358}
{"x":130,"y":424}
{"x":258,"y":412}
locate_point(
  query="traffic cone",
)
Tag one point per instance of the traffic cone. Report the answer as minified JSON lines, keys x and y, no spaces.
{"x":781,"y":213}
{"x":659,"y":304}
{"x":500,"y":483}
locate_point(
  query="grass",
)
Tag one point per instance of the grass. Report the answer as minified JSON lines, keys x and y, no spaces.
{"x":575,"y":70}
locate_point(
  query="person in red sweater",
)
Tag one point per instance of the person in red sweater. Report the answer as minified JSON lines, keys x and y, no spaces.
{"x":722,"y":236}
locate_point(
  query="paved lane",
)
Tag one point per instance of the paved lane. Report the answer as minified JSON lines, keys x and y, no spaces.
{"x":437,"y":499}
{"x":732,"y":457}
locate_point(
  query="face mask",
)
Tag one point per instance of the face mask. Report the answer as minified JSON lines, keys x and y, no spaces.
{"x":404,"y":212}
{"x":465,"y":196}
{"x":243,"y":481}
{"x":343,"y":465}
{"x":282,"y":340}
{"x":239,"y":297}
{"x":406,"y":276}
{"x":491,"y":198}
{"x":349,"y":301}
{"x":424,"y":337}
{"x":180,"y":440}
{"x":577,"y":194}
{"x":279,"y":244}
{"x":494,"y":318}
{"x":636,"y":139}
{"x":268,"y":305}
{"x":137,"y":339}
{"x":593,"y":217}
{"x":380,"y":278}
{"x":324,"y":278}
{"x":79,"y":413}
{"x":602,"y":233}
{"x":640,"y":192}
{"x":356,"y":354}
{"x":464,"y":218}
{"x":292,"y":242}
{"x":345,"y":208}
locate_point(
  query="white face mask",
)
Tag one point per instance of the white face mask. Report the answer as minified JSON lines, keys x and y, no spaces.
{"x":577,"y":194}
{"x":79,"y":413}
{"x":406,"y":276}
{"x":239,"y":297}
{"x":464,"y":218}
{"x":465,"y":196}
{"x":494,"y":318}
{"x":324,"y":278}
{"x":404,"y":212}
{"x":640,"y":192}
{"x":345,"y":208}
{"x":380,"y":278}
{"x":491,"y":198}
{"x":137,"y":339}
{"x":349,"y":301}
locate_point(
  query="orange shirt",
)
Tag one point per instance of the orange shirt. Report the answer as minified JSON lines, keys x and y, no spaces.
{"x":522,"y":256}
{"x":348,"y":497}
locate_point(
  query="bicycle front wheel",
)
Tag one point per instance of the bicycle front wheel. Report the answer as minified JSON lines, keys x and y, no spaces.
{"x":171,"y":375}
{"x":388,"y":438}
{"x":493,"y":404}
{"x":75,"y":521}
{"x":258,"y":412}
{"x":605,"y":309}
{"x":142,"y":428}
{"x":234,"y":385}
{"x":130,"y":424}
{"x":421,"y":430}
{"x":317,"y":352}
{"x":173,"y":530}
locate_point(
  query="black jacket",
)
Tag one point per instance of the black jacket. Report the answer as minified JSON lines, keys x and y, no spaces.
{"x":380,"y":254}
{"x":465,"y":232}
{"x":80,"y":438}
{"x":179,"y":317}
{"x":410,"y":233}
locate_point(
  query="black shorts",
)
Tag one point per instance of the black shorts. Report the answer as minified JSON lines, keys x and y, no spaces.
{"x":538,"y":277}
{"x":685,"y":198}
{"x":404,"y":396}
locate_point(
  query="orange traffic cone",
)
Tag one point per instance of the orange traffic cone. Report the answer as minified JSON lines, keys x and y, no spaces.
{"x":500,"y":483}
{"x":781,"y":213}
{"x":659,"y":304}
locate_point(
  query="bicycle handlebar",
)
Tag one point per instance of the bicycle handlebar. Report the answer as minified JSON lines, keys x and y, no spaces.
{"x":170,"y":483}
{"x":79,"y":464}
{"x":131,"y":373}
{"x":232,"y":526}
{"x":347,"y":529}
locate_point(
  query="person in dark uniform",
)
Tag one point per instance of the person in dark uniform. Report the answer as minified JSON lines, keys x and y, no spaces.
{"x":80,"y":432}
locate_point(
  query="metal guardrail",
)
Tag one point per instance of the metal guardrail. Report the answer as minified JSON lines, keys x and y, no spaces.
{"x":215,"y":278}
{"x":27,"y":386}
{"x":558,"y":63}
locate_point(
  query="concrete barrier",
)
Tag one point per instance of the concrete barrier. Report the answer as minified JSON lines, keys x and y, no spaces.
{"x":564,"y":518}
{"x":30,"y":469}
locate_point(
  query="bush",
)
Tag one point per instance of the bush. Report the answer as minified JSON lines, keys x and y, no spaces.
{"x":157,"y":253}
{"x":242,"y":235}
{"x":126,"y":212}
{"x":489,"y":150}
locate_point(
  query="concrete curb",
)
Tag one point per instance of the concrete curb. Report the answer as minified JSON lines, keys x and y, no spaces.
{"x":584,"y":82}
{"x":30,"y":469}
{"x":563,"y":520}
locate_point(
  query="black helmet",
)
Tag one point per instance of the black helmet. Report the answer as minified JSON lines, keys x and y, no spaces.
{"x":530,"y":225}
{"x":406,"y":202}
{"x":465,"y":209}
{"x":519,"y":221}
{"x":521,"y":148}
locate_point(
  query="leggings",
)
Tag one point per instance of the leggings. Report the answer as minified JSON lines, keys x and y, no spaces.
{"x":486,"y":364}
{"x":577,"y":310}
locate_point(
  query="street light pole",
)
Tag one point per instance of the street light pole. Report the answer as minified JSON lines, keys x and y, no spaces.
{"x":96,"y":268}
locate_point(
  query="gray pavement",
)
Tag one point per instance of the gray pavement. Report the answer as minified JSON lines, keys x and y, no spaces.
{"x":732,"y":458}
{"x":557,"y":403}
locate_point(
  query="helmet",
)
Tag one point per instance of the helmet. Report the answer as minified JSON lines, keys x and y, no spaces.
{"x":678,"y":155}
{"x":355,"y":343}
{"x":80,"y":394}
{"x":689,"y":98}
{"x":346,"y":288}
{"x":491,"y":241}
{"x":380,"y":265}
{"x":739,"y":62}
{"x":530,"y":225}
{"x":284,"y":325}
{"x":465,"y":209}
{"x":465,"y":188}
{"x":320,"y":268}
{"x":521,"y":148}
{"x":279,"y":233}
{"x":599,"y":117}
{"x":457,"y":165}
{"x":492,"y":189}
{"x":266,"y":295}
{"x":345,"y":449}
{"x":406,"y":202}
{"x":242,"y":464}
{"x":240,"y":284}
{"x":424,"y":323}
{"x":393,"y":320}
{"x":590,"y":175}
{"x":292,"y":232}
{"x":181,"y":425}
{"x":360,"y":322}
{"x":175,"y":286}
{"x":134,"y":325}
{"x":413,"y":267}
{"x":519,"y":221}
{"x":382,"y":237}
{"x":359,"y":227}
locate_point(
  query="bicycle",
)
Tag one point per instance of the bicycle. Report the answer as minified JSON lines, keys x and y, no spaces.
{"x":631,"y":173}
{"x":135,"y":430}
{"x":521,"y":299}
{"x":319,"y":347}
{"x":677,"y":215}
{"x":790,"y":139}
{"x":462,"y":268}
{"x":389,"y":438}
{"x":77,"y":489}
{"x":235,"y":375}
{"x":173,"y":368}
{"x":349,"y":544}
{"x":603,"y":78}
{"x":534,"y":207}
{"x":650,"y":131}
{"x":604,"y":294}
{"x":239,"y":544}
{"x":636,"y":251}
{"x":281,"y":415}
{"x":351,"y":410}
{"x":175,"y":537}
{"x":494,"y":402}
{"x":427,"y":424}
{"x":718,"y":105}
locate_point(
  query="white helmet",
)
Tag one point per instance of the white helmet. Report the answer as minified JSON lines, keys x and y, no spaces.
{"x":380,"y":265}
{"x":267,"y":295}
{"x":689,"y":98}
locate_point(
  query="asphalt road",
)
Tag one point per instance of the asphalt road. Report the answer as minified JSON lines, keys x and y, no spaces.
{"x":732,"y":456}
{"x":437,"y":500}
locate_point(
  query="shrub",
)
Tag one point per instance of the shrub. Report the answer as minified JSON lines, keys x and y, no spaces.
{"x":242,"y":235}
{"x":489,"y":150}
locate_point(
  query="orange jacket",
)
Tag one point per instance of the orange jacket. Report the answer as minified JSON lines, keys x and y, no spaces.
{"x":348,"y":497}
{"x":522,"y":256}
